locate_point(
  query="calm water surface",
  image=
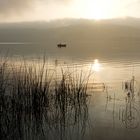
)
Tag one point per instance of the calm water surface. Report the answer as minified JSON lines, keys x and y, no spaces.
{"x":113,"y":107}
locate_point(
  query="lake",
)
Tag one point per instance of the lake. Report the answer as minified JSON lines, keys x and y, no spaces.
{"x":112,"y":106}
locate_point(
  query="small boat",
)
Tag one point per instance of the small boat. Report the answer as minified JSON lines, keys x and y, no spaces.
{"x":60,"y":45}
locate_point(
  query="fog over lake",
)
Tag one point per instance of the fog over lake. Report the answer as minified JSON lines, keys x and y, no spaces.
{"x":118,"y":38}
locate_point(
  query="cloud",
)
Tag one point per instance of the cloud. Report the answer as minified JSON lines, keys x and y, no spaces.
{"x":8,"y":7}
{"x":26,"y":10}
{"x":132,"y":3}
{"x":16,"y":7}
{"x":63,"y":1}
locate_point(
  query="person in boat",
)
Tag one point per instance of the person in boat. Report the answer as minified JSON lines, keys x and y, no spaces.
{"x":61,"y":45}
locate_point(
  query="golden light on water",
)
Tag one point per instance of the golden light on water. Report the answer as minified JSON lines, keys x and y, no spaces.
{"x":96,"y":66}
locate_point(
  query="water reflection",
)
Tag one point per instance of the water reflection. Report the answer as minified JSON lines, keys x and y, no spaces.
{"x":127,"y":104}
{"x":96,"y":66}
{"x":114,"y":103}
{"x":129,"y":115}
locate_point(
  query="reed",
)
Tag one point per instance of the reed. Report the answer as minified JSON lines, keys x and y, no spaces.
{"x":33,"y":100}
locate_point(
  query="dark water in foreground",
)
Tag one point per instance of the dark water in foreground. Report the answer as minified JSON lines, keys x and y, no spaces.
{"x":111,"y":110}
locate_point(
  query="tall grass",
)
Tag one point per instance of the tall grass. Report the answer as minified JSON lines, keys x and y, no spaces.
{"x":34,"y":103}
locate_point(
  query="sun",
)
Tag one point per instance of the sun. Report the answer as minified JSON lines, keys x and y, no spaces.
{"x":99,"y":9}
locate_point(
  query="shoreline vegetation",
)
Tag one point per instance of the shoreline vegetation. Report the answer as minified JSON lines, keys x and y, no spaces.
{"x":36,"y":101}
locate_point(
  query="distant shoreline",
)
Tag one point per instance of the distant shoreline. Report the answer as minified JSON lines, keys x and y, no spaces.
{"x":14,"y":43}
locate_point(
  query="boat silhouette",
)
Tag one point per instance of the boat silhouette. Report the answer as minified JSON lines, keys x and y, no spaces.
{"x":61,"y":45}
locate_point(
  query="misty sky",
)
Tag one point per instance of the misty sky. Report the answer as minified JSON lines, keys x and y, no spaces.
{"x":32,"y":10}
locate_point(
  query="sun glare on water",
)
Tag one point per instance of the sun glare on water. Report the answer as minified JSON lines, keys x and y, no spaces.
{"x":96,"y":66}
